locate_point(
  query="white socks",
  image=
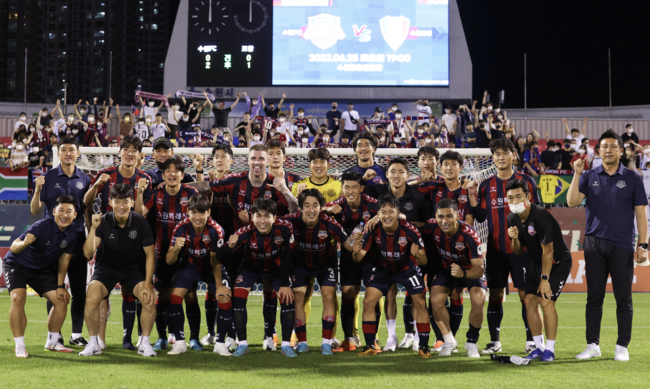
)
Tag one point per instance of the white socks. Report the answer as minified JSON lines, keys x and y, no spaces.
{"x":52,"y":337}
{"x":325,"y":341}
{"x":283,"y":344}
{"x":449,"y":338}
{"x":390,"y":325}
{"x":20,"y":342}
{"x":245,"y":343}
{"x":145,"y":340}
{"x":539,"y":342}
{"x":75,"y":336}
{"x":93,"y":341}
{"x":550,"y":345}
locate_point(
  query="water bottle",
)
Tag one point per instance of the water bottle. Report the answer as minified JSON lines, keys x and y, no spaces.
{"x":357,"y":229}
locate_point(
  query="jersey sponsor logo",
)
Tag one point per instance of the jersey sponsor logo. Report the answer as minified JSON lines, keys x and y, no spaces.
{"x":531,"y":231}
{"x":267,"y":195}
{"x":402,"y":241}
{"x":159,"y":201}
{"x":621,"y":184}
{"x":220,"y":243}
{"x":206,"y":238}
{"x":184,"y":201}
{"x":462,"y":199}
{"x":64,"y":244}
{"x":322,"y":234}
{"x":242,"y":193}
{"x":479,"y":249}
{"x":460,"y":245}
{"x":408,"y":206}
{"x":421,"y":242}
{"x":493,"y":189}
{"x":133,"y":234}
{"x":80,"y":185}
{"x":366,"y":216}
{"x":278,"y":240}
{"x":239,"y":279}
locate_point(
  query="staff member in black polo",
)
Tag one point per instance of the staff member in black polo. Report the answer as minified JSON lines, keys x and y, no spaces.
{"x":67,"y":179}
{"x":128,"y":257}
{"x":162,"y":151}
{"x":615,"y":196}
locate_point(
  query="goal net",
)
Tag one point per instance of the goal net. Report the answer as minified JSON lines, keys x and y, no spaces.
{"x":477,"y":166}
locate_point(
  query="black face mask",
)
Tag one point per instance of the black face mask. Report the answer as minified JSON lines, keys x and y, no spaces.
{"x":333,"y":106}
{"x":461,"y":111}
{"x":482,"y":125}
{"x":160,"y":165}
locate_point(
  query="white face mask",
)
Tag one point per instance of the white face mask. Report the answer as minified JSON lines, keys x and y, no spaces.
{"x":630,"y":130}
{"x":326,"y":140}
{"x":32,"y":129}
{"x":256,"y":138}
{"x":497,"y":110}
{"x":300,"y":132}
{"x":517,"y":208}
{"x":428,"y":140}
{"x":19,"y":147}
{"x":254,"y":102}
{"x":148,"y":120}
{"x":70,"y":119}
{"x":489,"y":107}
{"x":420,"y":131}
{"x":82,"y":112}
{"x":151,"y":104}
{"x":23,"y":118}
{"x":581,"y":151}
{"x":44,"y":114}
{"x":281,"y":120}
{"x":35,"y":149}
{"x":186,"y":119}
{"x":448,"y":111}
{"x":305,"y":140}
{"x":500,"y":117}
{"x":398,"y":116}
{"x":176,"y":107}
{"x":300,"y":114}
{"x":75,"y":132}
{"x":99,"y":124}
{"x":647,"y":151}
{"x":91,"y":120}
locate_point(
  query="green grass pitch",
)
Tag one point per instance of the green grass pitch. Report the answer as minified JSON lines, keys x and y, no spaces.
{"x":117,"y":368}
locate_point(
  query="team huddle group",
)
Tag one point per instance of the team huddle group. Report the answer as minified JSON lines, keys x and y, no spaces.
{"x":159,"y":233}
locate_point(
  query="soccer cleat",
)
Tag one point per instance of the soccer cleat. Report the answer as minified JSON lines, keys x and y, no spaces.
{"x":407,"y":342}
{"x":171,"y":339}
{"x":447,"y":348}
{"x":492,"y":347}
{"x":276,"y":341}
{"x":208,"y":340}
{"x":391,"y":343}
{"x":21,"y":352}
{"x":326,"y":349}
{"x":178,"y":348}
{"x":221,"y":349}
{"x":101,"y":344}
{"x":60,"y":340}
{"x":438,"y":346}
{"x":621,"y":354}
{"x":592,"y":351}
{"x":128,"y":346}
{"x":335,"y":343}
{"x":424,"y":352}
{"x":240,"y":351}
{"x":161,"y":344}
{"x":530,"y":347}
{"x":287,"y":351}
{"x":146,"y":350}
{"x":377,"y":348}
{"x":231,"y":344}
{"x":537,"y":354}
{"x":472,"y":350}
{"x":58,"y":347}
{"x":357,"y":340}
{"x":547,"y":356}
{"x":519,"y":360}
{"x":80,"y":341}
{"x":367,"y":351}
{"x":345,"y":346}
{"x":90,"y":350}
{"x":195,"y":345}
{"x":294,"y":340}
{"x":268,"y":344}
{"x":302,"y":348}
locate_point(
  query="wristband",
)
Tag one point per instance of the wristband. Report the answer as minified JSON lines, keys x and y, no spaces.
{"x":60,"y":286}
{"x":643,"y":246}
{"x":199,"y":171}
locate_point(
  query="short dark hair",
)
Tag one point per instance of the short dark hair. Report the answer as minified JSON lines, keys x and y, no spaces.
{"x":68,"y":140}
{"x":276,"y":144}
{"x":205,"y":191}
{"x":65,"y":199}
{"x":609,"y":134}
{"x":311,"y":192}
{"x":516,"y":184}
{"x":319,"y":153}
{"x":550,"y":143}
{"x":628,"y":125}
{"x":198,"y":203}
{"x":398,"y":160}
{"x":387,"y":199}
{"x":365,"y":135}
{"x":532,"y":143}
{"x":265,"y":205}
{"x":122,"y":191}
{"x":177,"y":161}
{"x":447,"y":203}
{"x":352,"y":176}
{"x":452,"y":156}
{"x":502,"y":144}
{"x":131,"y":140}
{"x":221,"y":101}
{"x":575,"y":130}
{"x":225,"y":148}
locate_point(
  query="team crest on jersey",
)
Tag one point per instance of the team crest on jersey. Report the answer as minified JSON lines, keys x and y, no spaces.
{"x":80,"y":185}
{"x":531,"y":231}
{"x":330,"y":193}
{"x":267,"y":195}
{"x":408,"y":206}
{"x":278,"y":240}
{"x":376,"y":180}
{"x":322,"y":234}
{"x":621,"y":184}
{"x":206,"y":238}
{"x":239,"y":279}
{"x":366,"y":216}
{"x":372,"y":277}
{"x":460,"y":245}
{"x":402,"y":241}
{"x":64,"y":244}
{"x":184,"y":201}
{"x":133,"y":234}
{"x":462,"y":199}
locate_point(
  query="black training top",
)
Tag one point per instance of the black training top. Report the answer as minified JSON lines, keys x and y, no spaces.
{"x":123,"y":248}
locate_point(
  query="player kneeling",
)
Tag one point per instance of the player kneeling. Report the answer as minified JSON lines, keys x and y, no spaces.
{"x":549,"y":264}
{"x":196,"y":241}
{"x":461,"y":253}
{"x":402,"y":252}
{"x":128,"y":257}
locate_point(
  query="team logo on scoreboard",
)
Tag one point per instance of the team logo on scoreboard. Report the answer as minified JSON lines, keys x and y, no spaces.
{"x":324,"y":30}
{"x":395,"y":30}
{"x":402,"y":241}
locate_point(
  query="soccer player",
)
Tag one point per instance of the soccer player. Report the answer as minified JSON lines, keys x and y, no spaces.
{"x":195,"y":242}
{"x":401,"y":254}
{"x":127,"y":257}
{"x":500,"y":259}
{"x":164,"y":208}
{"x":428,"y":164}
{"x":319,"y":163}
{"x":548,"y":267}
{"x":277,"y":156}
{"x":351,"y":209}
{"x":365,"y":145}
{"x":315,"y":258}
{"x":459,"y":246}
{"x":267,"y":244}
{"x":67,"y":179}
{"x":40,"y":257}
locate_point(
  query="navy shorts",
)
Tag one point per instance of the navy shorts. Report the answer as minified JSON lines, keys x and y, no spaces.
{"x":188,"y":276}
{"x":499,"y":265}
{"x":164,"y":274}
{"x":411,"y":279}
{"x":18,"y":277}
{"x":352,"y":273}
{"x":234,"y":261}
{"x":127,"y":278}
{"x":444,"y":278}
{"x":326,"y":276}
{"x":559,"y":274}
{"x":248,"y":278}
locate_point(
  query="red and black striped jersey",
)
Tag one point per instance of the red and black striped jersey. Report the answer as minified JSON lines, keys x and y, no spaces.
{"x":41,"y":139}
{"x":198,"y":246}
{"x":244,"y":194}
{"x":165,"y":212}
{"x":314,"y":246}
{"x":436,"y":191}
{"x":493,"y":206}
{"x":395,"y":248}
{"x":223,"y":212}
{"x":459,"y":248}
{"x":291,"y":178}
{"x":350,"y":219}
{"x":300,"y":122}
{"x":89,"y":134}
{"x":267,"y":122}
{"x":117,"y":178}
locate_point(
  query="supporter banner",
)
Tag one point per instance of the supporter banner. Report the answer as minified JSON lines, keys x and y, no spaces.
{"x":552,"y":188}
{"x":3,"y":252}
{"x":13,"y":184}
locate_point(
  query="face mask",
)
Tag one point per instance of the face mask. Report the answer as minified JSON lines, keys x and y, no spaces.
{"x":630,"y":130}
{"x":272,"y":133}
{"x":254,"y":102}
{"x":35,"y":149}
{"x":281,"y":120}
{"x":186,"y":119}
{"x":333,"y":106}
{"x":148,"y":121}
{"x":226,"y":139}
{"x":535,"y":148}
{"x":75,"y":132}
{"x":141,"y":122}
{"x":70,"y":119}
{"x":489,"y":108}
{"x":68,"y":132}
{"x":32,"y":129}
{"x":19,"y":147}
{"x":326,"y":140}
{"x":500,"y":117}
{"x":299,"y":132}
{"x":403,"y":143}
{"x":151,"y":104}
{"x":177,"y":107}
{"x":420,"y":131}
{"x":350,"y":108}
{"x":151,"y":139}
{"x":428,"y":140}
{"x":517,"y":208}
{"x":256,"y":138}
{"x":481,"y":125}
{"x":448,"y":111}
{"x":300,"y":114}
{"x":91,"y":120}
{"x":305,"y":140}
{"x":497,"y":110}
{"x":44,"y":114}
{"x":82,"y":112}
{"x":398,"y":116}
{"x":99,"y":124}
{"x":647,"y":151}
{"x":581,"y":151}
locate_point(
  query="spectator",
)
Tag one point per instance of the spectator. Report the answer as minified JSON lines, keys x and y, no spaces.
{"x":567,"y":155}
{"x":350,"y":120}
{"x":173,"y":116}
{"x":520,"y":148}
{"x":221,"y":114}
{"x":575,"y":134}
{"x":463,"y":119}
{"x":271,"y":110}
{"x":36,"y":157}
{"x":590,"y":151}
{"x":449,"y":119}
{"x":126,"y":122}
{"x":597,"y":161}
{"x":185,"y":130}
{"x":483,"y":135}
{"x":646,"y":157}
{"x":345,"y":142}
{"x":241,"y":126}
{"x":630,"y":136}
{"x":630,"y":158}
{"x":424,"y":111}
{"x":531,"y":159}
{"x":22,"y":121}
{"x":255,"y":106}
{"x":581,"y":154}
{"x":549,"y":159}
{"x":18,"y":158}
{"x":158,"y":129}
{"x":149,"y":110}
{"x":241,"y":142}
{"x":469,"y":139}
{"x":333,"y":119}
